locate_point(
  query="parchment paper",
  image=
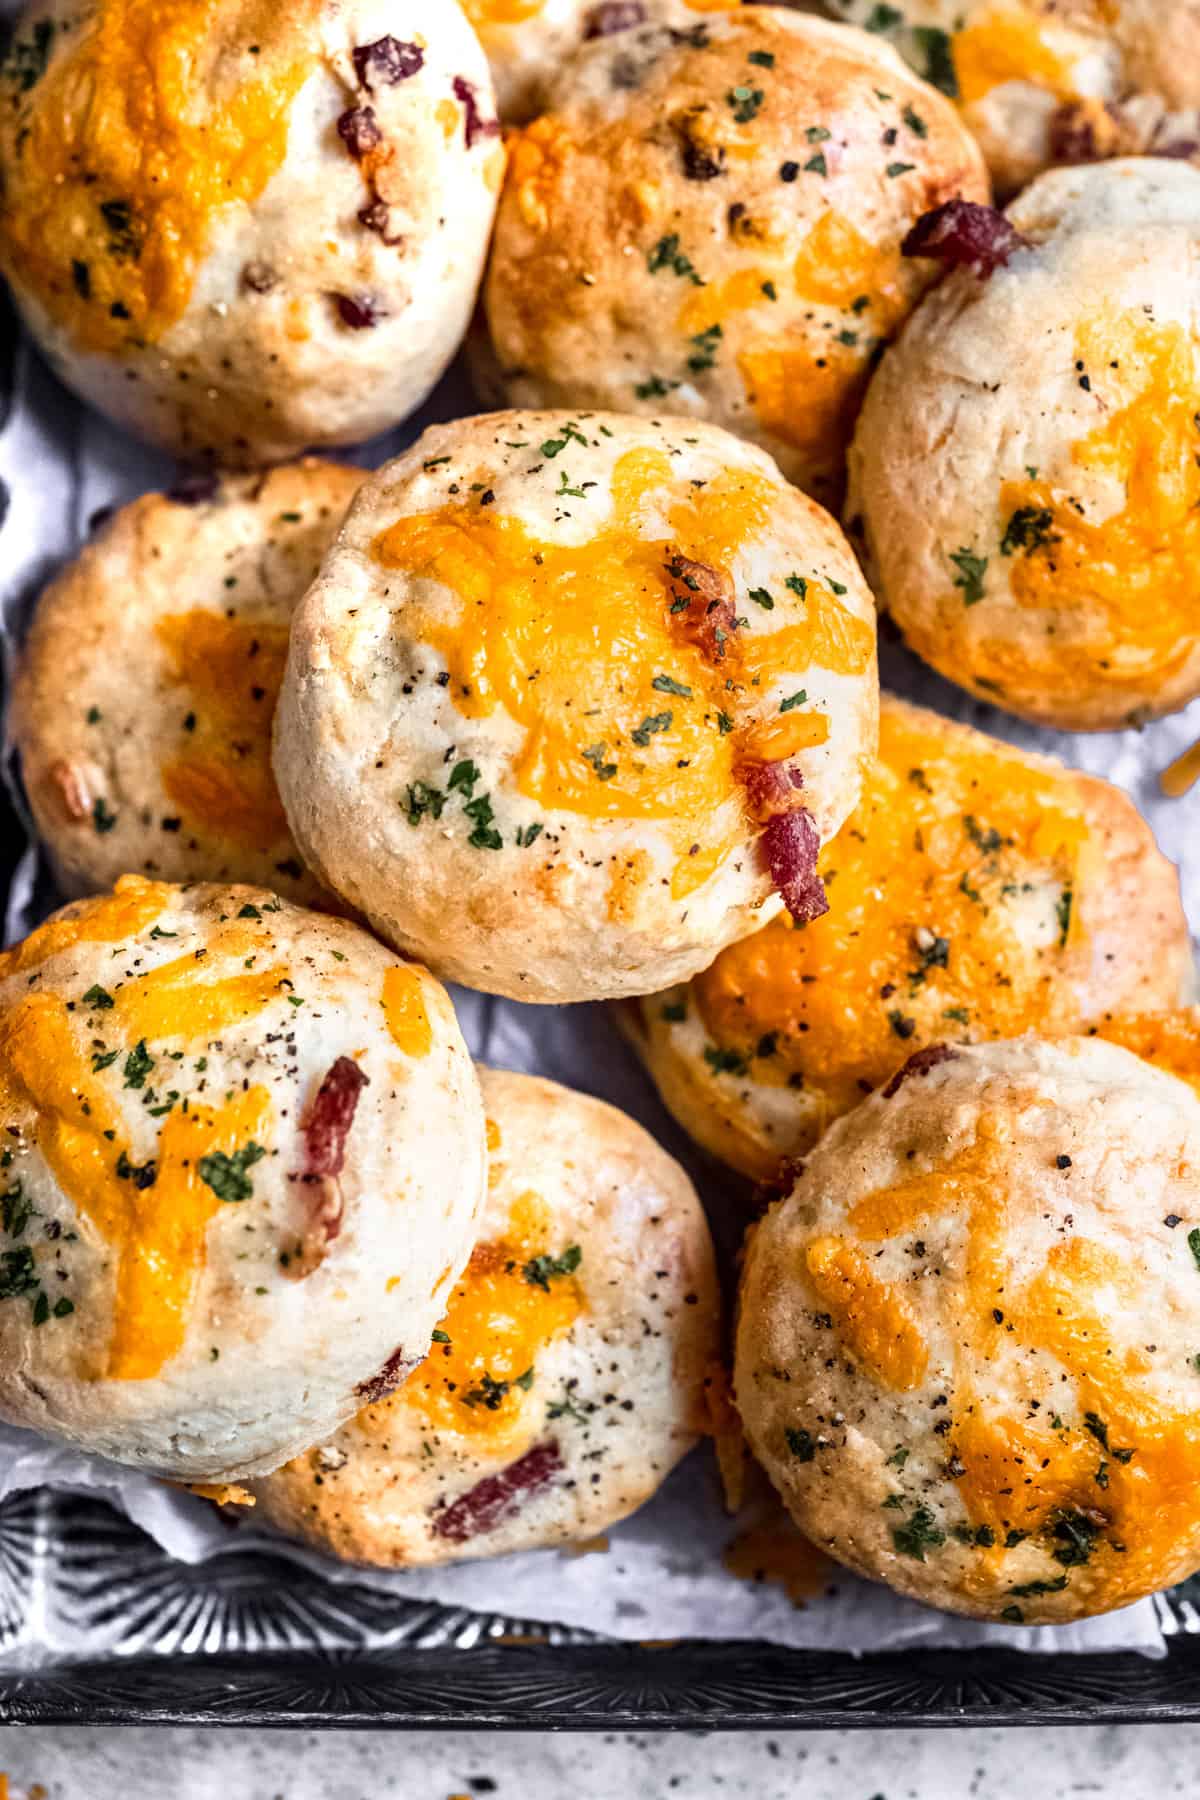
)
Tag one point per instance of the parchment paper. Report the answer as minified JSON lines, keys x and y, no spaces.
{"x":662,"y":1575}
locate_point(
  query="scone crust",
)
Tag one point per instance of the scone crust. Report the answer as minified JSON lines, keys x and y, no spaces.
{"x":144,"y":692}
{"x":245,"y":1165}
{"x":513,"y":731}
{"x":1024,"y":465}
{"x":964,"y":1345}
{"x":663,"y":243}
{"x":291,"y":258}
{"x":765,"y":1090}
{"x":621,"y":1340}
{"x":1041,"y":82}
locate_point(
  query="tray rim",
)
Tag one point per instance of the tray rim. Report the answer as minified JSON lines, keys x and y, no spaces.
{"x":691,"y":1685}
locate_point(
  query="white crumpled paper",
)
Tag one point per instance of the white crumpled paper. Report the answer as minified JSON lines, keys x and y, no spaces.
{"x":662,"y":1575}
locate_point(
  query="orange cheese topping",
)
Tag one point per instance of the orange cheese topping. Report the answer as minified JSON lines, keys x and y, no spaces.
{"x":221,"y":779}
{"x":1117,"y":594}
{"x":929,"y":935}
{"x":499,"y":1320}
{"x":1023,"y":1467}
{"x":578,"y":643}
{"x":403,"y":1002}
{"x":131,"y":908}
{"x":874,"y":1320}
{"x":160,"y":115}
{"x":1009,"y":44}
{"x":157,"y":1234}
{"x":483,"y":13}
{"x":1171,"y":1041}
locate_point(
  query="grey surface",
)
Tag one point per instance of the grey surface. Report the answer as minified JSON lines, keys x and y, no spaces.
{"x":1132,"y":1762}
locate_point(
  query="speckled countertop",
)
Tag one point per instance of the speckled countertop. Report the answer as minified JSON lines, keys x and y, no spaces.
{"x":1135,"y":1762}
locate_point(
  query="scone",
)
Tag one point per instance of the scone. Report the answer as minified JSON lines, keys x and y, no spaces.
{"x":966,"y":1350}
{"x":1027,"y":463}
{"x":143,"y":697}
{"x":567,"y":1376}
{"x":574,"y":699}
{"x":241,"y":228}
{"x":976,"y":892}
{"x":1054,"y":81}
{"x":707,"y":221}
{"x":244,"y":1166}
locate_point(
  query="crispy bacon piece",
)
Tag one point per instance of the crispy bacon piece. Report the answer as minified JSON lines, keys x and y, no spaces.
{"x":493,"y":1498}
{"x":71,"y":784}
{"x":919,"y":1063}
{"x":615,"y":15}
{"x":387,"y":61}
{"x":1082,"y":131}
{"x":330,"y":1117}
{"x":359,"y":130}
{"x":375,"y":217}
{"x":771,"y":787}
{"x":194,"y":488}
{"x":475,"y":125}
{"x":792,"y":842}
{"x":777,"y":1186}
{"x":395,"y":1371}
{"x":325,"y":1129}
{"x":963,"y":234}
{"x":359,"y":311}
{"x":702,"y":606}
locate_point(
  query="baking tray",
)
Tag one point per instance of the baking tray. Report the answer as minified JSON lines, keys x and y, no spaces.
{"x":251,"y":1638}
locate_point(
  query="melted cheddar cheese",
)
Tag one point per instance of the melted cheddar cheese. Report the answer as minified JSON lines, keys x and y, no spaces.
{"x":155,"y":118}
{"x":625,"y":713}
{"x":403,"y":1002}
{"x":1125,"y":582}
{"x":1009,"y":43}
{"x":1098,"y":1446}
{"x":220,"y":778}
{"x":55,"y":1096}
{"x":954,"y":914}
{"x":130,"y":909}
{"x":501,"y":1317}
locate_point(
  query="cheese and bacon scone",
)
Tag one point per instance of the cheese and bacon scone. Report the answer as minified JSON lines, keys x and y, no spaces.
{"x":966,"y":1351}
{"x":707,"y":220}
{"x":244,"y":1164}
{"x":568,"y":1375}
{"x":976,"y":892}
{"x":1042,"y":82}
{"x":1026,"y":467}
{"x":574,"y":700}
{"x":241,"y":228}
{"x":145,"y":690}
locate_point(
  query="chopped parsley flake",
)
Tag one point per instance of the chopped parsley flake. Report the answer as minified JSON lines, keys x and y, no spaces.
{"x":793,"y":700}
{"x":540,"y":1271}
{"x":664,"y":684}
{"x":919,"y":1533}
{"x":971,"y":571}
{"x":226,"y":1175}
{"x":801,"y":1444}
{"x":653,"y":722}
{"x":666,"y":254}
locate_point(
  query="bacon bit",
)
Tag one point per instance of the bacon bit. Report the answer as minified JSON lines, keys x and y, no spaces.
{"x":792,"y":843}
{"x":704,"y":599}
{"x":1083,"y":131}
{"x":395,"y":1371}
{"x":71,"y":782}
{"x":963,"y":234}
{"x":359,"y":130}
{"x":325,"y":1130}
{"x":359,"y":311}
{"x":194,"y":489}
{"x":389,"y":60}
{"x":331,"y":1116}
{"x":702,"y":155}
{"x":770,"y":787}
{"x":475,"y":125}
{"x":616,"y":15}
{"x":491,"y":1500}
{"x":375,"y":217}
{"x":920,"y":1063}
{"x":778,"y":1187}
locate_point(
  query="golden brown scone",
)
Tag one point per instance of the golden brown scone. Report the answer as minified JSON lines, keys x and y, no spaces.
{"x":242,"y":228}
{"x":977,"y":892}
{"x":1027,"y":462}
{"x":244,"y":1164}
{"x":574,"y":699}
{"x":966,"y":1353}
{"x":707,"y":220}
{"x":144,"y":695}
{"x":1054,"y":81}
{"x":567,"y":1377}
